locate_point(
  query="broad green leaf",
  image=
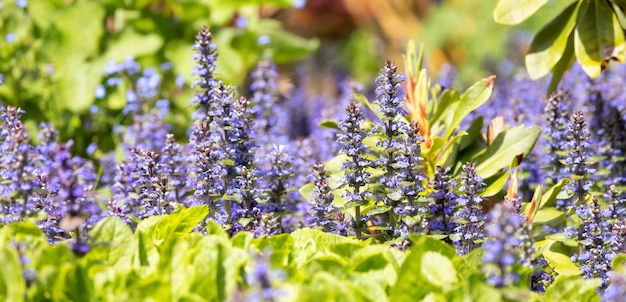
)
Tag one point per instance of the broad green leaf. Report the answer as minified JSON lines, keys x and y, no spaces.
{"x":507,"y":145}
{"x":361,"y":99}
{"x":563,"y":65}
{"x":594,"y":36}
{"x":512,"y":12}
{"x":12,"y":285}
{"x":548,"y":198}
{"x":111,"y":240}
{"x":550,"y":42}
{"x":306,"y":191}
{"x":369,"y":258}
{"x":472,"y":98}
{"x":573,"y":288}
{"x":496,"y":186}
{"x":428,"y":264}
{"x":549,"y":216}
{"x":181,"y":221}
{"x":562,"y":263}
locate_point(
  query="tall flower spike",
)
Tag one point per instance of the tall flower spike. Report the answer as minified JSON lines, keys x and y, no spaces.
{"x":556,"y":113}
{"x":356,"y":176}
{"x":577,"y":159}
{"x":411,"y":213}
{"x":18,"y":167}
{"x":469,"y":216}
{"x":501,"y":248}
{"x":390,"y":98}
{"x":269,"y":125}
{"x":322,"y":208}
{"x":594,"y":236}
{"x":205,"y":57}
{"x":443,"y":203}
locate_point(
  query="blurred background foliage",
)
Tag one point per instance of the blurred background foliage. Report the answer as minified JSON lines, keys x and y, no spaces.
{"x":53,"y":52}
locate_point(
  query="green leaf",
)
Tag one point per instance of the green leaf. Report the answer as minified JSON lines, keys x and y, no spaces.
{"x":594,"y":36}
{"x":511,"y":12}
{"x":549,"y":216}
{"x":12,"y":285}
{"x":428,"y":264}
{"x":330,"y":124}
{"x":563,"y":65}
{"x":555,"y":253}
{"x":507,"y":145}
{"x":472,"y":98}
{"x":548,"y":198}
{"x":445,"y":107}
{"x":111,"y":240}
{"x":181,"y":221}
{"x":549,"y":44}
{"x":369,"y":258}
{"x":496,"y":186}
{"x":573,"y":288}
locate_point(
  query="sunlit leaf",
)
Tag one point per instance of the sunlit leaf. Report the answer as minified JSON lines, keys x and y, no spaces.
{"x":512,"y":12}
{"x":550,"y":42}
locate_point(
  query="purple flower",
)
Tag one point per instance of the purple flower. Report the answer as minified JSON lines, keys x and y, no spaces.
{"x":576,"y":161}
{"x":443,"y":203}
{"x":354,"y":168}
{"x":205,"y":57}
{"x":502,"y":245}
{"x":469,"y":217}
{"x":322,"y":209}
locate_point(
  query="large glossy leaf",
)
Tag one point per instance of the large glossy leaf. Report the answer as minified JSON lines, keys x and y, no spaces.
{"x":550,"y":42}
{"x":564,"y":64}
{"x":507,"y":145}
{"x":594,"y":36}
{"x":512,"y":12}
{"x":475,"y":96}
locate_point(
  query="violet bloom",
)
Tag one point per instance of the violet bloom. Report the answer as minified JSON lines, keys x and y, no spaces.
{"x":322,"y":209}
{"x":501,"y":247}
{"x":173,"y":165}
{"x":390,"y":98}
{"x":594,"y":239}
{"x":19,"y":166}
{"x":355,"y":175}
{"x":577,"y":159}
{"x":205,"y":57}
{"x":270,"y":115}
{"x":616,"y":291}
{"x":443,"y":203}
{"x":469,"y":216}
{"x":556,"y":113}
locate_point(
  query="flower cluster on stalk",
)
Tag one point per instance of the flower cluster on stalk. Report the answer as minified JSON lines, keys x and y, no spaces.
{"x":502,"y":245}
{"x":356,"y":165}
{"x":443,"y":203}
{"x":390,"y":98}
{"x":468,"y":215}
{"x":576,"y":161}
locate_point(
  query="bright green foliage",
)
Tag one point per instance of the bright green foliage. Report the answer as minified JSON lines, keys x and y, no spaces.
{"x":590,"y":31}
{"x":164,"y":261}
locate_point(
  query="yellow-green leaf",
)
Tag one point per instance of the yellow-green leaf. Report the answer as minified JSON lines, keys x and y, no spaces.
{"x":550,"y":42}
{"x":512,"y":12}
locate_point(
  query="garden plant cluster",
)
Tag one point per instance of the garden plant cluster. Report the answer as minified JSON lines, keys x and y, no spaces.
{"x":410,"y":191}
